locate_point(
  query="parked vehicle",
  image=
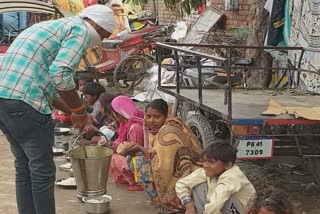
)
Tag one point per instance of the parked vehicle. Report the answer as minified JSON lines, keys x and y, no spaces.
{"x":228,"y":110}
{"x":125,"y":58}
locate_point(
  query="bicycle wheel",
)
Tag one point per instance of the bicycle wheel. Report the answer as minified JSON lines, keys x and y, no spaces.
{"x":130,"y":72}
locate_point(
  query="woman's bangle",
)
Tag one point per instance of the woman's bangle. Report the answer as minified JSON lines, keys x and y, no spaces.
{"x":79,"y":109}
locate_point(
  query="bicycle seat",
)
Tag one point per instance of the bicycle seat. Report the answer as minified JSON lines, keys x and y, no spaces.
{"x":242,"y":60}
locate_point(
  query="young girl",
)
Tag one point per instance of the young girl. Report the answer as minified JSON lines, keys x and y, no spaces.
{"x":92,"y":92}
{"x":271,"y":201}
{"x":82,"y":82}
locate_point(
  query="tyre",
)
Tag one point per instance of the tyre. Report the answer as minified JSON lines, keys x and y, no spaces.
{"x":201,"y":128}
{"x":131,"y":71}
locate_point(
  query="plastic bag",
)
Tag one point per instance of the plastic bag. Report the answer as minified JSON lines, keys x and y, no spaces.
{"x":180,"y":31}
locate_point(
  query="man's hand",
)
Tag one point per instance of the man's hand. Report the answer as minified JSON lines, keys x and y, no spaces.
{"x":61,"y":105}
{"x":95,"y":140}
{"x":190,"y":209}
{"x":80,"y":121}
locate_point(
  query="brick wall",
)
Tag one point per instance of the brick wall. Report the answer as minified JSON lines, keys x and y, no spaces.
{"x":165,"y":15}
{"x":237,"y":18}
{"x":242,"y":17}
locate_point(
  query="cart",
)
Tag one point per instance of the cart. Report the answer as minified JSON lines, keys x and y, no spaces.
{"x":126,"y":59}
{"x":227,"y":110}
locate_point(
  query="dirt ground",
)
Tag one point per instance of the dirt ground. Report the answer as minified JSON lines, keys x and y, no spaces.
{"x":66,"y":201}
{"x":289,"y":174}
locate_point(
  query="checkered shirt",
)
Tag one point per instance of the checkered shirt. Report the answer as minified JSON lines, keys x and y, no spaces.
{"x":42,"y":59}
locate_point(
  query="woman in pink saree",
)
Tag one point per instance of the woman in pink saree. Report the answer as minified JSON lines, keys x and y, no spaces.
{"x":129,"y":120}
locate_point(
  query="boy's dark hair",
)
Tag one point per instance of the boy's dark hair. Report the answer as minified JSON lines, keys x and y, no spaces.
{"x":105,"y":100}
{"x":85,"y":77}
{"x":220,"y":150}
{"x":160,"y":105}
{"x":275,"y":200}
{"x":93,"y":89}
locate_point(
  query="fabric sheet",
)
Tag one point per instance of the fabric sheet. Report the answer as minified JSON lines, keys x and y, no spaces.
{"x":275,"y":108}
{"x":305,"y":32}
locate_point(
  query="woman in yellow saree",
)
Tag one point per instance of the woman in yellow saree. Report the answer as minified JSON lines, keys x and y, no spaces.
{"x":121,"y":19}
{"x":171,"y":153}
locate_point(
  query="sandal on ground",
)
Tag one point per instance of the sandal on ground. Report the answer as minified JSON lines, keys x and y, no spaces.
{"x":164,"y":210}
{"x":135,"y":187}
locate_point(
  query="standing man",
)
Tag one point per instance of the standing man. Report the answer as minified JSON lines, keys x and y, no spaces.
{"x":36,"y":74}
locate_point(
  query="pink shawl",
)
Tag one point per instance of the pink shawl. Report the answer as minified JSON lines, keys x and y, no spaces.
{"x":126,"y":107}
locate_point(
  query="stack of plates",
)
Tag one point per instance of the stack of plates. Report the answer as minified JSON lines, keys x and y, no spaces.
{"x":67,"y":183}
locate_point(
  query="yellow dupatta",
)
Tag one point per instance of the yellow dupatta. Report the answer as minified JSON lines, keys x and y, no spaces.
{"x":120,"y":20}
{"x":177,"y":153}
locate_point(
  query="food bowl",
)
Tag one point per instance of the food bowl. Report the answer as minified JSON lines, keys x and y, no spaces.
{"x":97,"y":205}
{"x":61,"y":131}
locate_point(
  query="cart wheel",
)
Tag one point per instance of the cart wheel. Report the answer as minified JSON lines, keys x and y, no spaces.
{"x":201,"y":128}
{"x":314,"y":165}
{"x":130,"y":71}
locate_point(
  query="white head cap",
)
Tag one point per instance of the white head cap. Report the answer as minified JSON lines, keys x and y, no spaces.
{"x":101,"y":15}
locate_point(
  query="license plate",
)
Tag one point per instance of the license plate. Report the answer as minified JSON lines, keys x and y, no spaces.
{"x":255,"y":148}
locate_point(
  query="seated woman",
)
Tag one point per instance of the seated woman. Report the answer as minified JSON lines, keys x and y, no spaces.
{"x":129,"y":120}
{"x":107,"y":134}
{"x":171,"y":153}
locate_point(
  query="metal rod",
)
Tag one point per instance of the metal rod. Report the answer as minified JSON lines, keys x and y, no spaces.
{"x":299,"y":67}
{"x":171,"y":45}
{"x":221,"y":59}
{"x":176,"y":56}
{"x":159,"y":70}
{"x":247,"y":67}
{"x":229,"y":89}
{"x":199,"y":80}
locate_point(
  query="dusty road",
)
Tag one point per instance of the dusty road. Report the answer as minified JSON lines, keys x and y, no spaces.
{"x":296,"y":181}
{"x":66,"y":201}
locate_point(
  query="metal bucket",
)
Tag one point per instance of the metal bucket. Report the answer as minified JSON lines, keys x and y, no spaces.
{"x":90,"y":166}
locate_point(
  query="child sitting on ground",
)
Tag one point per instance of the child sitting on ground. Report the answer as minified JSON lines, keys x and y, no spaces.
{"x":219,"y":187}
{"x":83,"y":80}
{"x":92,"y":92}
{"x":271,"y":201}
